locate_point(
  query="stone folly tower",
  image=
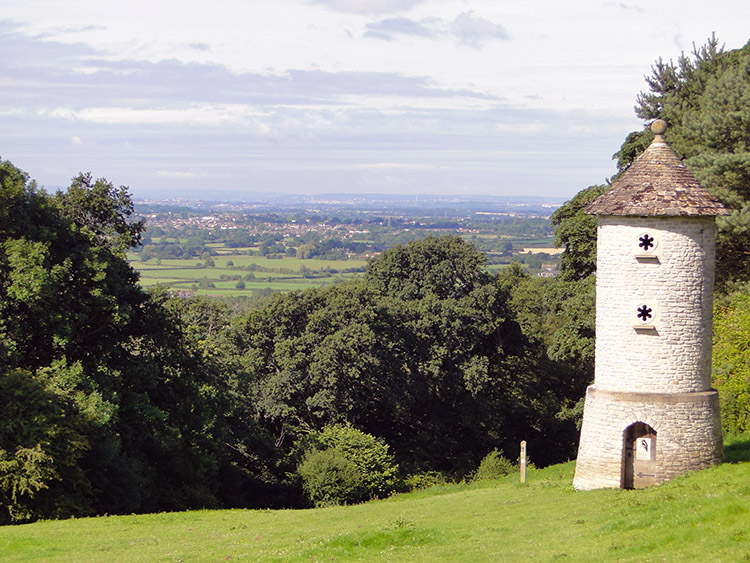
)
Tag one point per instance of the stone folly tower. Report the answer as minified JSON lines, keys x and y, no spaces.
{"x":651,"y":413}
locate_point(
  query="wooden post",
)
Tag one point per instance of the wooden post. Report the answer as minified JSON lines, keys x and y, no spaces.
{"x":522,"y":461}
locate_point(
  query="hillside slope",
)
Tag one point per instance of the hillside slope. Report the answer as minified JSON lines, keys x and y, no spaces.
{"x":699,"y":517}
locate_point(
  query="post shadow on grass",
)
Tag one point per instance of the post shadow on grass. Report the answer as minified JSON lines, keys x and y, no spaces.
{"x":738,"y":451}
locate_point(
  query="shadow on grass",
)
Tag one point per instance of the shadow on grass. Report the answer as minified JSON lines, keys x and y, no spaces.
{"x":738,"y":451}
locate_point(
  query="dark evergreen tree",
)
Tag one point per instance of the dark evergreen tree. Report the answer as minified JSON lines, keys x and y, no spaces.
{"x":705,"y":99}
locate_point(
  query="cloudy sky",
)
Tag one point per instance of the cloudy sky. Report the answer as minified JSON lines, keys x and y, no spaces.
{"x":505,"y":97}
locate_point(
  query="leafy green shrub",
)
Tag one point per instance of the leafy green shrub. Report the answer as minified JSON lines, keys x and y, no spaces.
{"x":339,"y":455}
{"x":329,"y":478}
{"x":731,"y":362}
{"x":41,"y":446}
{"x":493,"y":466}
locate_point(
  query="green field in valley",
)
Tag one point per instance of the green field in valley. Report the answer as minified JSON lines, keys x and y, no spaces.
{"x":234,"y":265}
{"x":703,"y":516}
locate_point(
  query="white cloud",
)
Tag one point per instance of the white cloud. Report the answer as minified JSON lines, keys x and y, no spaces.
{"x":368,"y":6}
{"x":195,"y":114}
{"x":374,"y":166}
{"x":175,"y":174}
{"x":474,"y":31}
{"x":12,"y":112}
{"x":59,"y":112}
{"x":624,"y":6}
{"x":466,"y":28}
{"x":389,"y":28}
{"x":198,"y":46}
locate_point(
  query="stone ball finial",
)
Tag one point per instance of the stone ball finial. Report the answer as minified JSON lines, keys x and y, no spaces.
{"x":658,"y":127}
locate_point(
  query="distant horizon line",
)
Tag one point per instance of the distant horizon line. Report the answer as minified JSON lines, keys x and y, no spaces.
{"x":199,"y":196}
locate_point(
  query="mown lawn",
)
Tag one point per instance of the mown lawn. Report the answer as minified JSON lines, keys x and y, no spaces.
{"x":699,"y":517}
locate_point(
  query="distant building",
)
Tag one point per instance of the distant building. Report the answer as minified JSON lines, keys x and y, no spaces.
{"x":548,"y":271}
{"x":184,"y":293}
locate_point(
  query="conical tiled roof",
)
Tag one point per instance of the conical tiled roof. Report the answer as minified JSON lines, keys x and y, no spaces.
{"x":657,"y":183}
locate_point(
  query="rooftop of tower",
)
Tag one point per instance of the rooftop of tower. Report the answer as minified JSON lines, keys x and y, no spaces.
{"x":657,"y":184}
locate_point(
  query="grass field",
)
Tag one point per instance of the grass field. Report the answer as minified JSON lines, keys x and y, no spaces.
{"x":699,"y":517}
{"x":280,"y":274}
{"x":285,"y":273}
{"x":539,"y":249}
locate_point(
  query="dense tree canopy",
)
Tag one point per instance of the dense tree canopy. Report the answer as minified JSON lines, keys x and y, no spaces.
{"x":731,"y":362}
{"x":425,"y":346}
{"x":101,"y":397}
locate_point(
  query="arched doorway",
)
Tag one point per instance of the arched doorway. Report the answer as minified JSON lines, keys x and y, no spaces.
{"x":639,"y":456}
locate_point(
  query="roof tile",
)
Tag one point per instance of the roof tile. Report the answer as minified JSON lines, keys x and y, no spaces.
{"x":657,"y":183}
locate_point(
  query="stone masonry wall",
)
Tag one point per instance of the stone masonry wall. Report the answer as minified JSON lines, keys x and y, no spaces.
{"x":676,"y":356}
{"x":688,"y":437}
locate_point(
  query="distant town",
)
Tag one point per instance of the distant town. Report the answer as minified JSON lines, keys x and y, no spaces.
{"x":278,"y":243}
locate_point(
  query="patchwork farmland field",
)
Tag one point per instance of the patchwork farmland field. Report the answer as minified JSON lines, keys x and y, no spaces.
{"x":234,"y":273}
